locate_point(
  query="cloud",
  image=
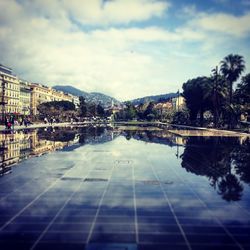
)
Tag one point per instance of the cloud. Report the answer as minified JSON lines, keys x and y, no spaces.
{"x":98,"y":12}
{"x":223,"y":23}
{"x":119,"y":11}
{"x":48,"y":42}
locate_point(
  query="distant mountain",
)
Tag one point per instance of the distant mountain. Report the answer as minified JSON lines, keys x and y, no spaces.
{"x":153,"y":98}
{"x":95,"y":97}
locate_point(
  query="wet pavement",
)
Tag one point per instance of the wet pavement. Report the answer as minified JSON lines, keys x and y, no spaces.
{"x":106,"y":189}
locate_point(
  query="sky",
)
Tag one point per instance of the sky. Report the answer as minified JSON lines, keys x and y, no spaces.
{"x":123,"y":48}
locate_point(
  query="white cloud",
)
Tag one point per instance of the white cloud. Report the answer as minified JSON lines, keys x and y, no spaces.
{"x":223,"y":23}
{"x":42,"y":44}
{"x":98,"y":12}
{"x":118,"y":11}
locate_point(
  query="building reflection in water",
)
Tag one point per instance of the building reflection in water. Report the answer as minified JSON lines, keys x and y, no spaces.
{"x":21,"y":145}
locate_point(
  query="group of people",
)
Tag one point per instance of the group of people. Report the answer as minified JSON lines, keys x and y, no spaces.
{"x":51,"y":120}
{"x":10,"y":122}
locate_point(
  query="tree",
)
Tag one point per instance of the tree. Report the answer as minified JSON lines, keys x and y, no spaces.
{"x":91,"y":109}
{"x":100,"y":110}
{"x":232,"y":67}
{"x":180,"y":117}
{"x":130,"y":111}
{"x":242,"y":94}
{"x":194,"y":91}
{"x":230,"y":188}
{"x":212,"y":157}
{"x":63,"y":110}
{"x":150,"y":112}
{"x":82,"y":107}
{"x":216,"y":92}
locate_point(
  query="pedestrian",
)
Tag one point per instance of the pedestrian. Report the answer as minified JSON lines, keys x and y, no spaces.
{"x":7,"y":123}
{"x":51,"y":120}
{"x":20,"y":121}
{"x":12,"y":121}
{"x":25,"y":121}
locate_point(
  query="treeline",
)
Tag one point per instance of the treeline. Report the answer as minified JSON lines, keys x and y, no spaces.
{"x":89,"y":109}
{"x":65,"y":110}
{"x":146,"y":112}
{"x":213,"y":100}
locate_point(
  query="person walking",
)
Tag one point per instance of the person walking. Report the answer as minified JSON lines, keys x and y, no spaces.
{"x":7,"y":123}
{"x":12,"y":121}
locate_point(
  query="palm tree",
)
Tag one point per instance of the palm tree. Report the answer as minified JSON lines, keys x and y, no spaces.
{"x":216,"y":92}
{"x":231,"y":67}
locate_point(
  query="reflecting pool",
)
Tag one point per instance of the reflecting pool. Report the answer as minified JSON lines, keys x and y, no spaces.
{"x":110,"y":188}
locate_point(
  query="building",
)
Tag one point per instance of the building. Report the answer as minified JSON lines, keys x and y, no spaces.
{"x":41,"y":94}
{"x":179,"y":103}
{"x":21,"y":97}
{"x":25,"y":98}
{"x":76,"y":100}
{"x":9,"y":149}
{"x":9,"y":91}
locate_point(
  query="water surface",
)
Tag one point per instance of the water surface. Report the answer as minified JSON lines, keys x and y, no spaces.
{"x":104,"y":188}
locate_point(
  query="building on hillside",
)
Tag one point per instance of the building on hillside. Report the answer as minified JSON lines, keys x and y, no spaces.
{"x":163,"y":107}
{"x":76,"y":100}
{"x":178,"y":103}
{"x":9,"y":91}
{"x":60,"y":96}
{"x":25,"y":97}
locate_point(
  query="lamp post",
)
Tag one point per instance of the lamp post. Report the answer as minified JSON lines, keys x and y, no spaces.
{"x":2,"y":101}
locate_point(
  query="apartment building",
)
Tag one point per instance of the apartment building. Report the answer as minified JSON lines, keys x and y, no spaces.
{"x":21,"y":97}
{"x":179,"y":103}
{"x":41,"y":93}
{"x":75,"y":100}
{"x":9,"y":91}
{"x":25,"y":97}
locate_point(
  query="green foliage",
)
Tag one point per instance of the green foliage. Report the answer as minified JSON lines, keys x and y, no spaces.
{"x":100,"y":110}
{"x":215,"y":93}
{"x":181,"y":117}
{"x":242,"y":93}
{"x":82,"y":107}
{"x":232,"y":67}
{"x":90,"y":109}
{"x":62,"y":110}
{"x":194,"y":91}
{"x":150,"y":113}
{"x":130,"y":111}
{"x":58,"y":105}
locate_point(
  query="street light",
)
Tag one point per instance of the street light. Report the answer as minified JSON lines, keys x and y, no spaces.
{"x":3,"y":102}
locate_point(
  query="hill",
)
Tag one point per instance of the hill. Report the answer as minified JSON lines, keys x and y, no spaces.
{"x":95,"y":97}
{"x":153,"y":98}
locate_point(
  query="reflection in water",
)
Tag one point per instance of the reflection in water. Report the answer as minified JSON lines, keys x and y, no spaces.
{"x":160,"y":137}
{"x":223,"y":160}
{"x":20,"y":145}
